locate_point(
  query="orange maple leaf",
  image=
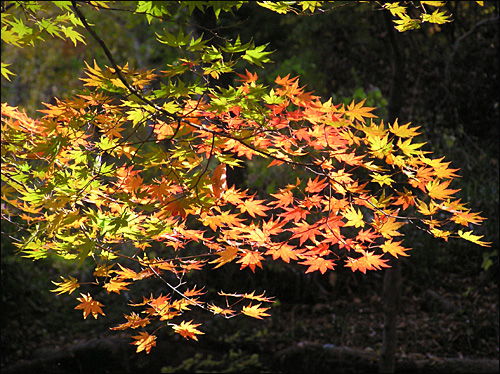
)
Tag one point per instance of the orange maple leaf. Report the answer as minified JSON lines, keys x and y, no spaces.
{"x":305,"y":231}
{"x":134,"y":321}
{"x":284,"y":251}
{"x":251,"y":259}
{"x":187,"y":330}
{"x":369,"y":261}
{"x":284,"y":197}
{"x":144,"y":342}
{"x":89,"y":306}
{"x":227,"y":255}
{"x":218,"y":310}
{"x":318,"y":263}
{"x":248,"y":78}
{"x":316,"y":185}
{"x":464,"y":218}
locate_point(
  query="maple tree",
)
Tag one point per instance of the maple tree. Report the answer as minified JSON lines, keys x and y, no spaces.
{"x":130,"y":173}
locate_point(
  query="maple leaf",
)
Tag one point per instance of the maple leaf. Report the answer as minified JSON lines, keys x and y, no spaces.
{"x":125,"y":273}
{"x":395,"y":9}
{"x":89,"y":306}
{"x":380,"y":146}
{"x":220,"y":220}
{"x":438,"y":190}
{"x":354,"y":218}
{"x":218,"y":310}
{"x":194,"y":292}
{"x":464,"y":218}
{"x":134,"y":322}
{"x":394,"y":248}
{"x":305,"y":231}
{"x":255,"y":311}
{"x":404,"y":131}
{"x":144,"y":342}
{"x":369,"y":261}
{"x":318,"y":263}
{"x":252,"y":296}
{"x":296,"y":213}
{"x":357,"y":111}
{"x":366,"y":236}
{"x":251,"y":259}
{"x":225,"y":256}
{"x":316,"y":185}
{"x":248,"y":78}
{"x":436,"y":17}
{"x":188,"y":330}
{"x":283,"y":251}
{"x":67,"y":285}
{"x":405,"y":198}
{"x":116,"y":286}
{"x":427,"y":210}
{"x":408,"y":148}
{"x":382,"y":179}
{"x":253,"y":207}
{"x":473,"y":238}
{"x":387,"y":226}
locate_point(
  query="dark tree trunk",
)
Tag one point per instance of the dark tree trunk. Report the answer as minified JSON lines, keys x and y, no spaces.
{"x":392,"y":278}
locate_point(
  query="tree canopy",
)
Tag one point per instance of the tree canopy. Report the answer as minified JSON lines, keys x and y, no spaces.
{"x":130,"y":174}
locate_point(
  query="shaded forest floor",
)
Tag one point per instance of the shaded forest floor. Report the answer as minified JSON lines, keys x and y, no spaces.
{"x":442,"y":315}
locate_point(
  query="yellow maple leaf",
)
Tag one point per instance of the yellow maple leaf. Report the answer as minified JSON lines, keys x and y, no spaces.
{"x":116,"y":286}
{"x":379,"y":146}
{"x":382,"y":179}
{"x":473,"y":238}
{"x":67,"y":285}
{"x":354,"y":218}
{"x":438,"y":190}
{"x":387,"y":226}
{"x":394,"y":248}
{"x":255,"y":311}
{"x":408,"y":148}
{"x":436,"y":17}
{"x":395,"y":9}
{"x":357,"y":111}
{"x":404,"y":131}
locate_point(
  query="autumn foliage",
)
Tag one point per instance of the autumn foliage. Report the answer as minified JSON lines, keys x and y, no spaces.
{"x":130,"y":174}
